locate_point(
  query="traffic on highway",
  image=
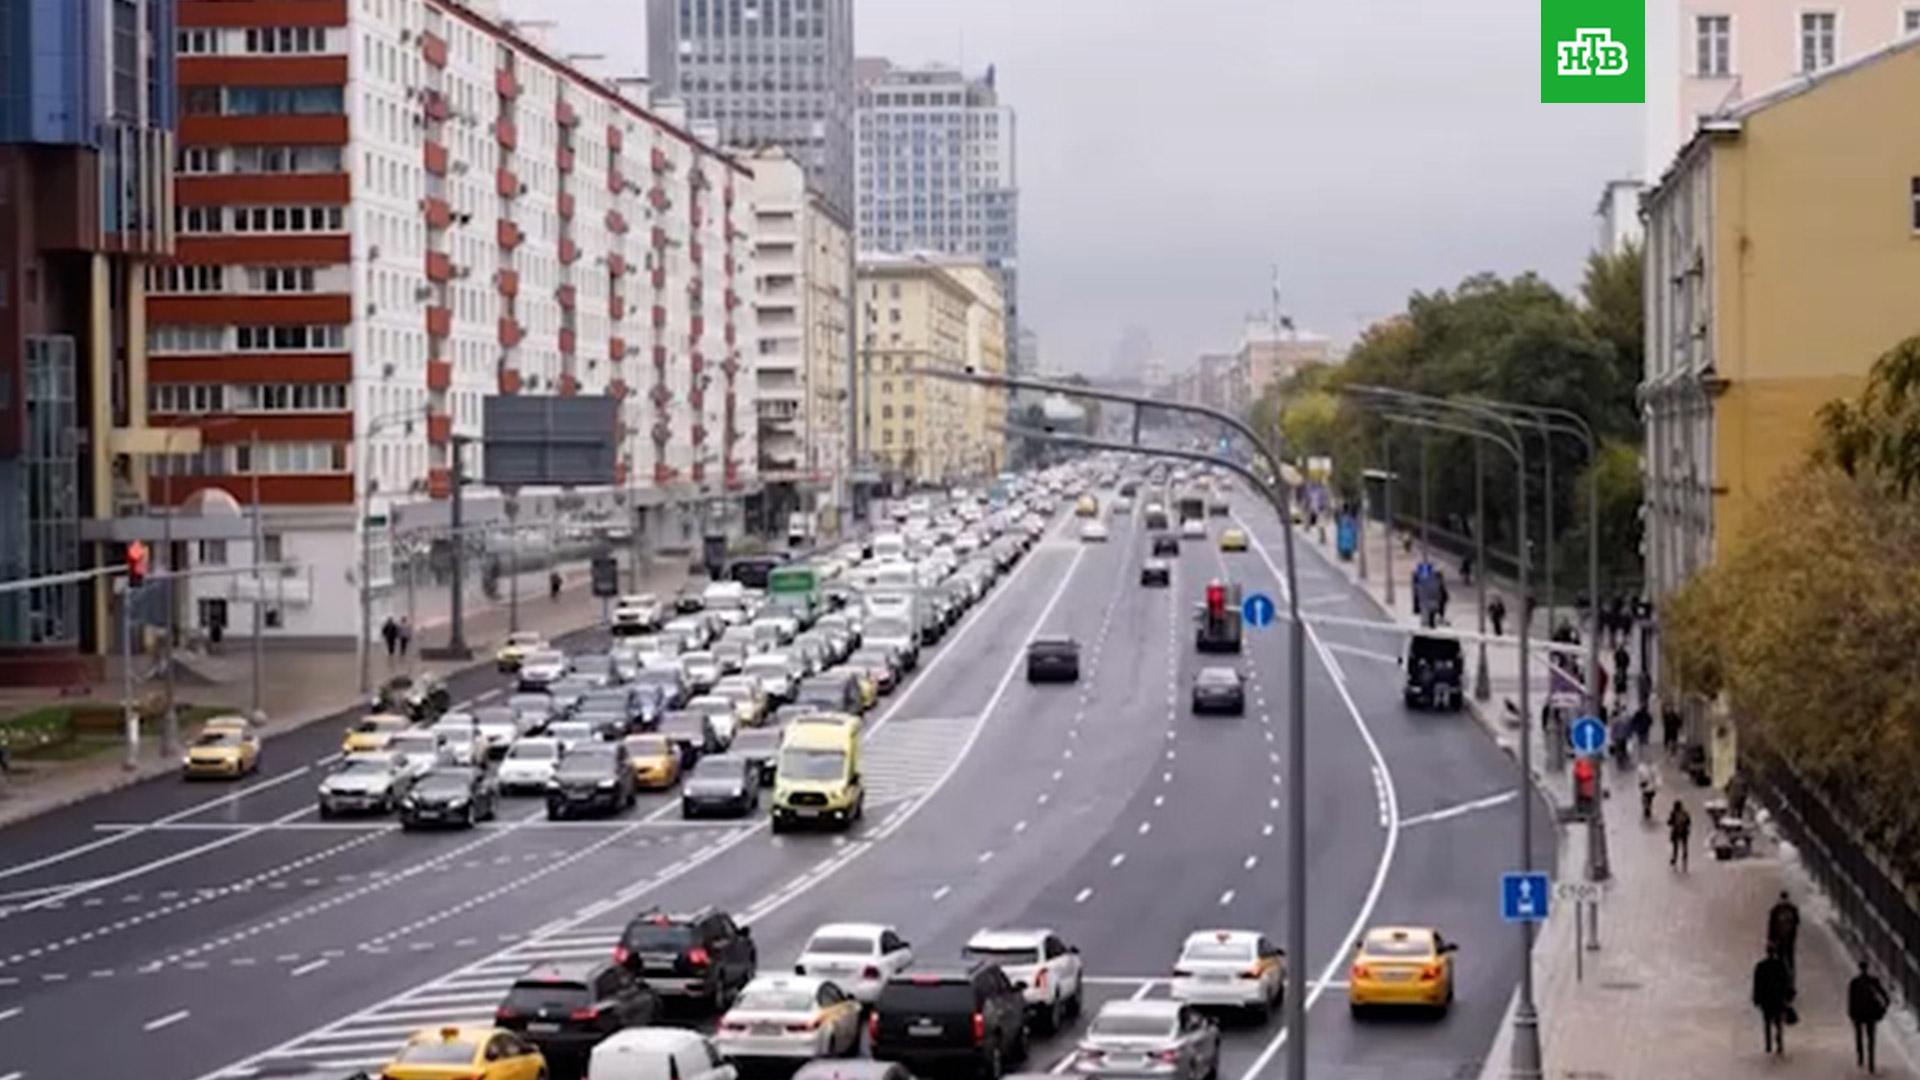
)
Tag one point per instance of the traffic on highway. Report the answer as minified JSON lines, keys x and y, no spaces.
{"x":994,"y":788}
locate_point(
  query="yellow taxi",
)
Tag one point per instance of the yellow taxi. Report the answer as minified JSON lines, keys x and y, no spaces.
{"x":227,"y":746}
{"x":466,"y":1053}
{"x":1088,"y":506}
{"x":515,"y":649}
{"x":372,"y":733}
{"x":1234,"y":539}
{"x":656,"y":763}
{"x":1401,"y":965}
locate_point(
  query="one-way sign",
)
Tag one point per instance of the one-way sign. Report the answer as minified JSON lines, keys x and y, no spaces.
{"x":1524,"y":897}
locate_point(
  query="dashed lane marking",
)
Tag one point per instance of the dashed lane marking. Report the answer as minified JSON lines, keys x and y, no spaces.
{"x":166,"y":1021}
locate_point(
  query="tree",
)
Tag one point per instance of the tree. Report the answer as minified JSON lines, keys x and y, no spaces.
{"x":1614,"y":293}
{"x":1877,"y":439}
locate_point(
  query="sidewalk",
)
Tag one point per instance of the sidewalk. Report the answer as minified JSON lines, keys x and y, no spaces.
{"x":1666,"y":994}
{"x":301,"y":686}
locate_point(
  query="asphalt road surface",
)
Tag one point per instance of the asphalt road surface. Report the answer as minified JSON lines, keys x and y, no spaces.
{"x":178,"y":931}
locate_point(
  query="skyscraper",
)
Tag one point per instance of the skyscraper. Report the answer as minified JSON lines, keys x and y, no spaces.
{"x":935,"y":169}
{"x":765,"y":73}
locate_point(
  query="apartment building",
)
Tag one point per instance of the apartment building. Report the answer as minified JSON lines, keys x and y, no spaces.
{"x":392,"y":209}
{"x":86,"y":203}
{"x":801,"y":361}
{"x":922,"y":312}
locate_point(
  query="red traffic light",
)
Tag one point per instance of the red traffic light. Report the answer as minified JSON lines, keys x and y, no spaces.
{"x":136,"y":563}
{"x":1216,"y":598}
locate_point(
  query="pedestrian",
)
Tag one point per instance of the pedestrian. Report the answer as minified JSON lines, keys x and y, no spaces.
{"x":1867,"y":1004}
{"x":1649,"y":788}
{"x":1622,"y":660}
{"x":1466,"y":568}
{"x":1773,"y":996}
{"x":1440,"y":597}
{"x":1679,"y":830}
{"x":390,"y":632}
{"x":1783,"y":929}
{"x":553,"y":584}
{"x":1642,"y":726}
{"x":1670,"y":729}
{"x":1497,"y":614}
{"x":406,"y":634}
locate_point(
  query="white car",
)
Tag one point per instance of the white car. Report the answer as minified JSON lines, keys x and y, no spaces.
{"x":702,"y":670}
{"x":695,"y":628}
{"x":570,"y":733}
{"x":790,"y":1017}
{"x":1047,"y":969}
{"x":541,"y":668}
{"x":638,"y":610}
{"x":775,"y":672}
{"x":1156,"y":1040}
{"x":529,"y":764}
{"x":1193,"y":529}
{"x":722,"y":712}
{"x":416,"y":751}
{"x":1094,"y":532}
{"x":859,"y":957}
{"x":462,"y":740}
{"x":370,"y":780}
{"x":1120,"y":505}
{"x":1238,"y":969}
{"x":658,"y":1053}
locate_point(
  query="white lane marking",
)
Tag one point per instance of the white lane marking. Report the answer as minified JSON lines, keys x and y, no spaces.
{"x":1042,"y":800}
{"x":942,"y":891}
{"x":1392,"y":812}
{"x":1226,"y":898}
{"x":1252,"y":861}
{"x":95,"y":845}
{"x":165,"y":1021}
{"x":1118,"y":858}
{"x":29,"y":894}
{"x":1146,"y":827}
{"x":308,"y":968}
{"x":1364,"y":654}
{"x":1159,"y":800}
{"x":1081,"y":896}
{"x":9,"y":1014}
{"x":155,"y":864}
{"x":1020,"y":826}
{"x":15,"y":1075}
{"x":986,"y":856}
{"x":1458,"y":809}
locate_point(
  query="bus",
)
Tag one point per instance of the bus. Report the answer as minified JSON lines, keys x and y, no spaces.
{"x":795,"y":587}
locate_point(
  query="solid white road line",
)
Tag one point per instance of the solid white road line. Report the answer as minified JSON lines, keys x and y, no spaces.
{"x":155,"y":864}
{"x":1081,"y":896}
{"x":1365,"y":654}
{"x":95,"y":845}
{"x":1459,"y":809}
{"x":166,"y":1021}
{"x":941,"y":892}
{"x":307,"y":968}
{"x":9,"y":1014}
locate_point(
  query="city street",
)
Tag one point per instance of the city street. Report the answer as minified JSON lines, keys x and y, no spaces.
{"x":190,"y":931}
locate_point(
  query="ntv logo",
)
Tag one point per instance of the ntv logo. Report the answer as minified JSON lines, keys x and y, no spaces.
{"x":1592,"y":52}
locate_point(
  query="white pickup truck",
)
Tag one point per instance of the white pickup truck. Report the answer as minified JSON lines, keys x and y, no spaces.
{"x":1047,"y":970}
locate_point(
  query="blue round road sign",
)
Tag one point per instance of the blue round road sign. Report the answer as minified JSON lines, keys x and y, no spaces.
{"x":1257,"y":609}
{"x":1588,"y":735}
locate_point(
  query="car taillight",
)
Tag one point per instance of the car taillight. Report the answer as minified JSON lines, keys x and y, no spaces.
{"x":979,"y":1029}
{"x":1040,"y":979}
{"x":590,"y":1013}
{"x":805,"y":1025}
{"x":1361,"y":971}
{"x":1251,"y":973}
{"x":697,"y":956}
{"x":1168,"y":1056}
{"x":620,"y":954}
{"x":870,"y":972}
{"x":873,"y":1027}
{"x":1430,"y":973}
{"x":504,"y":1013}
{"x":733,"y":1025}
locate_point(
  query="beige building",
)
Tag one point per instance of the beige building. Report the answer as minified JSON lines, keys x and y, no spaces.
{"x":800,"y":362}
{"x":1266,"y":357}
{"x":919,"y":312}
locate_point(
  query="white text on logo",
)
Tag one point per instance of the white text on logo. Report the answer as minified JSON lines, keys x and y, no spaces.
{"x":1592,"y":52}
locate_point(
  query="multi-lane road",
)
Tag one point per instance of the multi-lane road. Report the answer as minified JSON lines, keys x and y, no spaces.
{"x":186,"y":931}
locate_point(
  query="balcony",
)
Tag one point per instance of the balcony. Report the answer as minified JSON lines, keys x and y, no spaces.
{"x":439,"y":374}
{"x":616,"y":223}
{"x":697,"y":328}
{"x":511,"y":332}
{"x":658,"y":277}
{"x":613,"y":138}
{"x":659,"y":160}
{"x":434,"y":157}
{"x":729,"y":334}
{"x":662,"y":474}
{"x":509,"y":235}
{"x":507,"y":184}
{"x":506,"y":84}
{"x":659,"y":316}
{"x":565,"y":295}
{"x":565,"y":206}
{"x":615,"y":182}
{"x":564,"y":159}
{"x":660,"y":356}
{"x":439,"y":322}
{"x":657,"y":198}
{"x":616,"y":349}
{"x":439,"y":429}
{"x":439,"y":266}
{"x":569,"y":252}
{"x":433,"y":49}
{"x":440,"y":482}
{"x":696,"y":397}
{"x":696,"y":363}
{"x":505,"y":133}
{"x":569,"y":386}
{"x":659,"y":238}
{"x":616,"y":306}
{"x":434,"y":104}
{"x":507,"y":281}
{"x":661,"y":398}
{"x":566,"y":341}
{"x":617,"y":264}
{"x":732,"y":299}
{"x":564,"y":114}
{"x":695,"y":252}
{"x":617,"y":389}
{"x":438,"y":214}
{"x":509,"y":380}
{"x":699,"y":217}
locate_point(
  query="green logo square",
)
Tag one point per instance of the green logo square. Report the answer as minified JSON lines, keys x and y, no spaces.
{"x":1593,"y":51}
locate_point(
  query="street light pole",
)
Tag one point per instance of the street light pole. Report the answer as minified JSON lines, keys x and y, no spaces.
{"x":1386,"y":517}
{"x":259,"y":547}
{"x":1482,"y":686}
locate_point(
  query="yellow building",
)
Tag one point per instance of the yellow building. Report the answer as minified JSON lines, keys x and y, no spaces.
{"x":919,"y":312}
{"x":1782,"y":258}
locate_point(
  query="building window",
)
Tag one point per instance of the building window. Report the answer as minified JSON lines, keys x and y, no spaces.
{"x":288,"y":219}
{"x":186,"y":339}
{"x":186,"y":278}
{"x":201,"y":42}
{"x":287,"y":159}
{"x":1909,"y":21}
{"x":211,"y":553}
{"x":1819,"y":40}
{"x":1915,"y":198}
{"x":328,"y":338}
{"x":1713,"y":46}
{"x":199,"y":160}
{"x":280,"y":279}
{"x":287,"y":39}
{"x":284,"y":100}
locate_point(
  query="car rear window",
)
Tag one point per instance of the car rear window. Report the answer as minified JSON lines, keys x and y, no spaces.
{"x":775,"y":999}
{"x":841,"y":945}
{"x":1407,"y":946}
{"x":912,"y":996}
{"x":1219,"y":950}
{"x":1131,"y":1026}
{"x":1023,"y":954}
{"x":658,"y":938}
{"x":534,"y":996}
{"x":437,"y":1052}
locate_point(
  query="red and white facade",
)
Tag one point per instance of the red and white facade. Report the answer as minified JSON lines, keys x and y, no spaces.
{"x":393,"y":209}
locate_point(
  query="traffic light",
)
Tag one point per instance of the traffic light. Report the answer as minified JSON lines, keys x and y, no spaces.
{"x":136,"y":564}
{"x":1216,"y":600}
{"x":606,"y":576}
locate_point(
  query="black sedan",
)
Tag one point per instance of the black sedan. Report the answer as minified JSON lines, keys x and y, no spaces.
{"x":450,"y":795}
{"x":592,"y":777}
{"x":1053,"y":659}
{"x":1166,"y":544}
{"x":1156,"y":572}
{"x":722,"y":784}
{"x":1219,"y":690}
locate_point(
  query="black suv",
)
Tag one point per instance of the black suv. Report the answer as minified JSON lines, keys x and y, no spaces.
{"x":1053,"y":659}
{"x":704,"y":956}
{"x":1166,"y":544}
{"x":566,"y":1009}
{"x":973,"y":1016}
{"x":591,"y":778}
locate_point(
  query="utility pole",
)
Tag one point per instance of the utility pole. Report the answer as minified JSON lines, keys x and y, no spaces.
{"x":259,"y":553}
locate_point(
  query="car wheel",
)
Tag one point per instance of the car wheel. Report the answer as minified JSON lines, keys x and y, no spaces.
{"x":1054,"y":1018}
{"x":1021,"y":1047}
{"x":1213,"y":1066}
{"x":473,"y":815}
{"x":1074,"y":1003}
{"x":326,"y":812}
{"x":990,"y":1069}
{"x":554,"y":813}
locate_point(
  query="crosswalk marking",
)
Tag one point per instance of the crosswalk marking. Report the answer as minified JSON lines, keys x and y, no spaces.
{"x":911,"y":754}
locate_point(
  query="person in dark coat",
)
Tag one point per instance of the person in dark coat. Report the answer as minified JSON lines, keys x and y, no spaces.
{"x":1867,"y":1003}
{"x":390,"y":631}
{"x":1670,"y":728}
{"x":1643,"y":727}
{"x":1783,"y":929}
{"x":1679,"y":831}
{"x":1497,"y":614}
{"x":1773,"y":996}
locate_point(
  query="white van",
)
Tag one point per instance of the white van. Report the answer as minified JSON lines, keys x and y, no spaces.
{"x":658,"y":1053}
{"x":888,"y":547}
{"x":727,"y":599}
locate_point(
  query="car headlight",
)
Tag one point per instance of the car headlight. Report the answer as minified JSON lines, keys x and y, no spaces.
{"x":605,"y":783}
{"x":186,"y":761}
{"x":455,"y":803}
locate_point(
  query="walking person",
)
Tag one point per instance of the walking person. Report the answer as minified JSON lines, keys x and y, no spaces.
{"x":1622,"y":660}
{"x":406,"y":634}
{"x":553,"y":585}
{"x":1497,"y":614}
{"x":1773,"y":996}
{"x":1867,"y":1004}
{"x":1670,"y":729}
{"x":1679,"y":831}
{"x":1649,"y":788}
{"x":390,"y":632}
{"x":1783,"y":929}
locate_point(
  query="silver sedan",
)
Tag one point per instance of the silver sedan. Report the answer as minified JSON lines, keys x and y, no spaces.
{"x":1157,"y":1039}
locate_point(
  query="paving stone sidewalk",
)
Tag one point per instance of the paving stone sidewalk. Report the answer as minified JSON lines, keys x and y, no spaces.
{"x":1666,"y":993}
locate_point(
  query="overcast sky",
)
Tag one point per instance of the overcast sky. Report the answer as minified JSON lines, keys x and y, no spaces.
{"x":1172,"y":151}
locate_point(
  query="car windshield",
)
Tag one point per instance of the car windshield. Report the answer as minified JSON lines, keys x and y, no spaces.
{"x":414,"y":744}
{"x":437,"y":1051}
{"x":592,"y":665}
{"x":218,"y":738}
{"x":775,"y":999}
{"x":540,"y":750}
{"x":841,"y":945}
{"x":1006,"y":954}
{"x":888,"y":629}
{"x":926,"y":997}
{"x":725,"y":767}
{"x":587,"y":759}
{"x":441,"y":783}
{"x":1218,"y":677}
{"x":657,"y":937}
{"x":647,"y":746}
{"x":658,"y":677}
{"x":756,"y":741}
{"x":697,"y":659}
{"x":531,"y":997}
{"x":1130,"y":1026}
{"x":361,"y":767}
{"x":799,"y":763}
{"x":769,"y":664}
{"x":544,"y":657}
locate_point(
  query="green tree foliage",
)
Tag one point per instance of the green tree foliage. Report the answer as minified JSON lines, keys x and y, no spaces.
{"x":1877,"y":438}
